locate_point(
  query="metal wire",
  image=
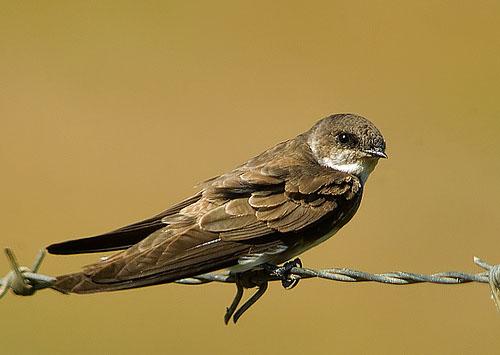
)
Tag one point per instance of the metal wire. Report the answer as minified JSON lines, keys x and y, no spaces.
{"x":26,"y":281}
{"x":349,"y":275}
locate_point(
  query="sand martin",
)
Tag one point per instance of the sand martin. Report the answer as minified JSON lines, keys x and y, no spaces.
{"x":274,"y":207}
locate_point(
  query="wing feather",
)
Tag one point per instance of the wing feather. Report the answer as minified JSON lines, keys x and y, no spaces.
{"x":247,"y":212}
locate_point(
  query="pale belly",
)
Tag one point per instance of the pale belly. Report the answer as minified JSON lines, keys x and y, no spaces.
{"x":278,"y":257}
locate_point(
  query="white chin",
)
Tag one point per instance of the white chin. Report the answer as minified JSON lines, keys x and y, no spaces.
{"x":361,"y":168}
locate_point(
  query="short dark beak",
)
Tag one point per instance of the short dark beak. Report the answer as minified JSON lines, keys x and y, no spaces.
{"x":377,"y":153}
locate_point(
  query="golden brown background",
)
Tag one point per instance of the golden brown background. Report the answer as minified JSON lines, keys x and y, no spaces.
{"x":112,"y":111}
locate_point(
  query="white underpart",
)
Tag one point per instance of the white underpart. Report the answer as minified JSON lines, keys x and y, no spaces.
{"x":251,"y":261}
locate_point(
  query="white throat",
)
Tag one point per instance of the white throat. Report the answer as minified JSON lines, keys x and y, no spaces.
{"x":361,"y":168}
{"x":345,"y":162}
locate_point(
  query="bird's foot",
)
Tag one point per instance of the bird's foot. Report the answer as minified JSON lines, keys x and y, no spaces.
{"x":288,"y":280}
{"x":259,"y":278}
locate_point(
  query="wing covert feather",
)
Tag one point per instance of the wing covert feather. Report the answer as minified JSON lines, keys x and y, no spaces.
{"x":294,"y":203}
{"x":250,"y":210}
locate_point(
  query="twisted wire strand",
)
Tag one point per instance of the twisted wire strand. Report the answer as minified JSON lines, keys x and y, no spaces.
{"x":349,"y":275}
{"x":26,"y":281}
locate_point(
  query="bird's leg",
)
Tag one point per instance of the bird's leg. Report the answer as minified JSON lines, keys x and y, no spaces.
{"x":237,"y":298}
{"x":247,"y":279}
{"x":283,"y":273}
{"x":255,"y":297}
{"x":259,"y":278}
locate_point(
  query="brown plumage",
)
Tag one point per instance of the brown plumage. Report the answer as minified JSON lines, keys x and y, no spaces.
{"x":273,"y":207}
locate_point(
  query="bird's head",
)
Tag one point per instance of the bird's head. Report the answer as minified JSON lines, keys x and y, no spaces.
{"x":348,"y":143}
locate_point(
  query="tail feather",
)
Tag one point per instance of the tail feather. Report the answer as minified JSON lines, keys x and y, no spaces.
{"x":213,"y":257}
{"x":80,"y":283}
{"x":119,"y":239}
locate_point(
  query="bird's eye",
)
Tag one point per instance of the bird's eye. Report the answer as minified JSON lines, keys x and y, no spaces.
{"x":347,"y":139}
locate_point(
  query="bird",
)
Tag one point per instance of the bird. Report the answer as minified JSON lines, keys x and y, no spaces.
{"x":264,"y":212}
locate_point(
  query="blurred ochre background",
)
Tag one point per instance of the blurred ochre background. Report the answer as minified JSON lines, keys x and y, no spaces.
{"x":112,"y":111}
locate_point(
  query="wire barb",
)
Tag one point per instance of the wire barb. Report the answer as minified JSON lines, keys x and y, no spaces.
{"x":22,"y":280}
{"x":493,"y":279}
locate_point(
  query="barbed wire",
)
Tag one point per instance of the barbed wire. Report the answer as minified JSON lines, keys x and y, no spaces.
{"x":25,"y":281}
{"x":350,"y":275}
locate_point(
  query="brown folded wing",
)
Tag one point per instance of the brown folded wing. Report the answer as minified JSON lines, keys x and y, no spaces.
{"x":254,"y":209}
